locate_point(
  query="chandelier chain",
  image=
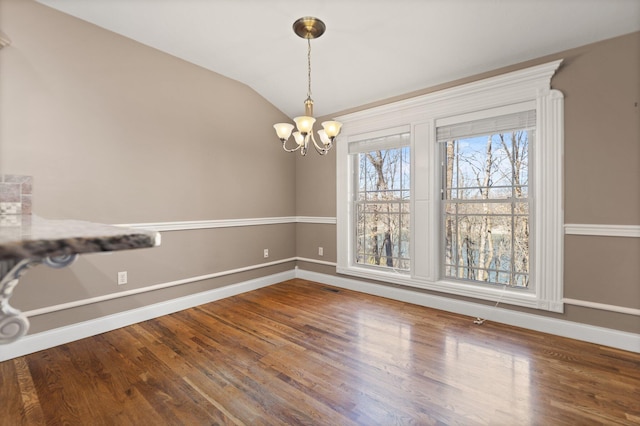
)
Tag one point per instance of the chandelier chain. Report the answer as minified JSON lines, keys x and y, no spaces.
{"x":309,"y":67}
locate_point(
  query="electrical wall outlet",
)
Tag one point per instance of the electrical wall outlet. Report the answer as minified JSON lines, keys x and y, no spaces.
{"x":122,"y":277}
{"x":320,"y":251}
{"x":266,"y":253}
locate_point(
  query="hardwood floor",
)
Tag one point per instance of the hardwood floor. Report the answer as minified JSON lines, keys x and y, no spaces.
{"x":304,"y":353}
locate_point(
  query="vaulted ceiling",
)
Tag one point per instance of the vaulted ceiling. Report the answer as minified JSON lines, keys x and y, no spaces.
{"x":372,"y":49}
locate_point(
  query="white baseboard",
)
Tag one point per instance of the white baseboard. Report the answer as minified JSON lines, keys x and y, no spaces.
{"x":51,"y":338}
{"x":588,"y":333}
{"x":602,"y":306}
{"x":154,"y":287}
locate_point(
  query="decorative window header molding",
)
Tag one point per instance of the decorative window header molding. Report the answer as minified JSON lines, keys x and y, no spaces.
{"x":493,"y":92}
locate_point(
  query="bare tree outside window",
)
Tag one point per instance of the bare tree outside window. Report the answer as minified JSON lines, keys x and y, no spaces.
{"x":382,"y":207}
{"x":486,"y":208}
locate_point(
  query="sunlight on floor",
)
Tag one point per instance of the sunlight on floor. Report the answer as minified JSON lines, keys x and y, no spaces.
{"x":477,"y":372}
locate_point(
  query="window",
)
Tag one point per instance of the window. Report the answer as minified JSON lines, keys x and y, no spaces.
{"x":485,"y":199}
{"x":458,"y":191}
{"x":382,"y":202}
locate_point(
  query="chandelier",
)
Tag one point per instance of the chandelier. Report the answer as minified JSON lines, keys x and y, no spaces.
{"x":308,"y":27}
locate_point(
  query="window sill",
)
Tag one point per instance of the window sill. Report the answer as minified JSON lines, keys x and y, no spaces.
{"x":502,"y":294}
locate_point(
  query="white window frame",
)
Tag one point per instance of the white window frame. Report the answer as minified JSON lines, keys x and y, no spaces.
{"x":371,"y":143}
{"x":530,"y":87}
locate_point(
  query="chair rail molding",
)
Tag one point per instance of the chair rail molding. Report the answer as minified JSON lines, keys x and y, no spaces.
{"x":228,"y":223}
{"x":601,"y":230}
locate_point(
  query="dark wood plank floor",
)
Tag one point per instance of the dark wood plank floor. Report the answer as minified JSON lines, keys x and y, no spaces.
{"x":305,"y":353}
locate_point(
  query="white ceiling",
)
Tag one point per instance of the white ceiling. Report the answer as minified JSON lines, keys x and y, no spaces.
{"x":372,"y":50}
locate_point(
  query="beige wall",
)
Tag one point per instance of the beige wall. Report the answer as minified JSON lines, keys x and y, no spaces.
{"x":601,"y":86}
{"x":116,"y":132}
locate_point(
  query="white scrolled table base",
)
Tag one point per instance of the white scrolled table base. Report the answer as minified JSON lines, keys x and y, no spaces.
{"x":13,"y":323}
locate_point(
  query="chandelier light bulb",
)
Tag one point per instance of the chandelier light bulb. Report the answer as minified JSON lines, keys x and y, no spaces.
{"x":332,"y":128}
{"x":299,"y":138}
{"x":326,"y":141}
{"x":304,"y":124}
{"x":283,"y":130}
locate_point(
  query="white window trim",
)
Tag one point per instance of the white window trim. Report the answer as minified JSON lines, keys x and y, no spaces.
{"x":421,"y":113}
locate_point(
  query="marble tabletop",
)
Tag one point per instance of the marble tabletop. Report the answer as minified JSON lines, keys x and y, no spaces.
{"x":27,"y":241}
{"x":32,"y":237}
